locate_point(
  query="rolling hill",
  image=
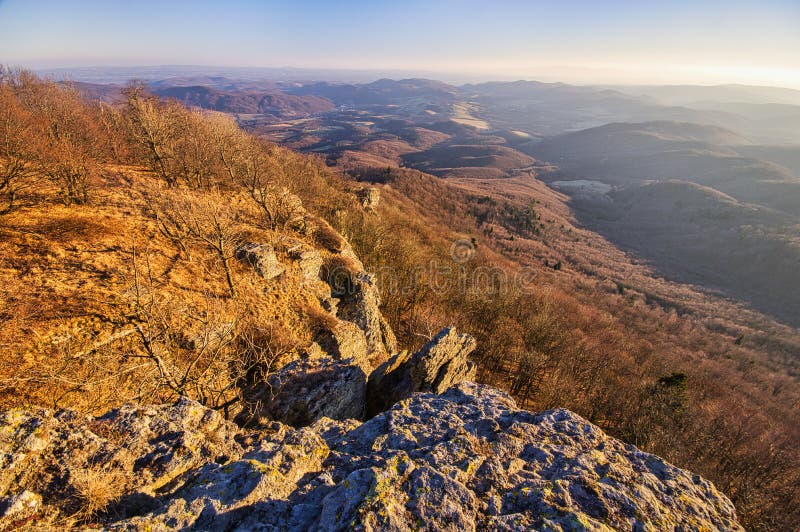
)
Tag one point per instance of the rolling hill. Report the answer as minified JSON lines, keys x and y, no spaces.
{"x":274,"y":103}
{"x":689,"y":202}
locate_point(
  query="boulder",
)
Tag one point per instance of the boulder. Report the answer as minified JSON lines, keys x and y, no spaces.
{"x":369,"y":198}
{"x":441,"y":363}
{"x":467,"y":459}
{"x":307,"y":390}
{"x":262,"y":258}
{"x":310,"y":263}
{"x":308,"y":259}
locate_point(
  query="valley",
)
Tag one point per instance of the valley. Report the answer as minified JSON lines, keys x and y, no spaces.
{"x":701,"y":204}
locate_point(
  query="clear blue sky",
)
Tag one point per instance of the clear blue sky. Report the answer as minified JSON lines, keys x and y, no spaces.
{"x":575,"y":40}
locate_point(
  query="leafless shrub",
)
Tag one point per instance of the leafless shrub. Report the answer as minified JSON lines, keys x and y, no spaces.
{"x":153,"y":129}
{"x":263,"y":349}
{"x":208,"y":220}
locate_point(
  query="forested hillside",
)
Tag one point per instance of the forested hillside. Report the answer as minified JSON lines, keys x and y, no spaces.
{"x":120,"y":282}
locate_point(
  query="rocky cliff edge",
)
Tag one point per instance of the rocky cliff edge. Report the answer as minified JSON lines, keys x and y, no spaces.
{"x":463,"y":460}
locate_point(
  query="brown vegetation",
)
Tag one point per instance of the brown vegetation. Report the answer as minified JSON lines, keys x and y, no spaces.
{"x":675,"y":380}
{"x":119,"y":282}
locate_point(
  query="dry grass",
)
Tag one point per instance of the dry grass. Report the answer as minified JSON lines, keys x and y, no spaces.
{"x":98,"y":488}
{"x":67,"y":280}
{"x":327,"y":237}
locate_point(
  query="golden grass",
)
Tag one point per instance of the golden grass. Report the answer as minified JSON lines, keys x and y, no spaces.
{"x":67,"y":280}
{"x":98,"y":488}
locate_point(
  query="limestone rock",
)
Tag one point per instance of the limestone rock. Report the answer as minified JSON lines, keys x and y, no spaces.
{"x":310,"y":263}
{"x":17,"y":509}
{"x":308,"y":259}
{"x":441,"y":363}
{"x":344,"y":340}
{"x":220,"y":496}
{"x":359,"y":302}
{"x":131,"y":448}
{"x":262,"y":258}
{"x":307,"y":390}
{"x":369,"y":197}
{"x":467,"y":459}
{"x":352,"y":294}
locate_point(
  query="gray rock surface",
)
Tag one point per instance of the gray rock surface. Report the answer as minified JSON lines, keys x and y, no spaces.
{"x":344,"y":340}
{"x":359,"y":302}
{"x":464,"y":460}
{"x":17,"y":509}
{"x":308,"y":259}
{"x":307,"y":390}
{"x":353,"y":294}
{"x":440,"y":364}
{"x":262,"y":258}
{"x":65,"y":458}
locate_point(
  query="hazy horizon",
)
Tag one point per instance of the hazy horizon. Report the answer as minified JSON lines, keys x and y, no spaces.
{"x":104,"y":74}
{"x":619,"y":42}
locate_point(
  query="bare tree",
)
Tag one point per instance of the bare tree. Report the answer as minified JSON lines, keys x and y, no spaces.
{"x":67,"y":137}
{"x":206,"y":219}
{"x":113,"y":126}
{"x":45,"y":129}
{"x":154,"y":128}
{"x":194,"y":154}
{"x":16,"y":139}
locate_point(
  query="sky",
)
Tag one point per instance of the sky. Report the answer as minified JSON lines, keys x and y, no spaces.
{"x":578,"y":41}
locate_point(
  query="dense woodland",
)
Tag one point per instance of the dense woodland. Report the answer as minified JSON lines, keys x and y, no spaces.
{"x":117,"y":233}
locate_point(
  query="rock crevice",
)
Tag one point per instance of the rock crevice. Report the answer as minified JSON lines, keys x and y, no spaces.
{"x":441,"y":363}
{"x":307,"y":390}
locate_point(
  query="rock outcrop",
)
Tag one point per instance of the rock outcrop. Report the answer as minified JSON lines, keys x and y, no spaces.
{"x":359,"y":302}
{"x":440,"y":364}
{"x":309,"y":260}
{"x":68,"y":461}
{"x":262,"y":258}
{"x":308,"y":390}
{"x":349,"y":335}
{"x":464,"y":460}
{"x":369,"y":198}
{"x":343,"y":341}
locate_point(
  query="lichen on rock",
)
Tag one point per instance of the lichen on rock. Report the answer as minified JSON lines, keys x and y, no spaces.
{"x":441,"y":363}
{"x":467,"y":459}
